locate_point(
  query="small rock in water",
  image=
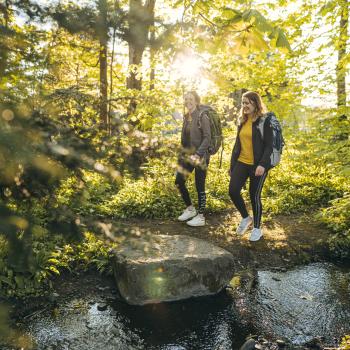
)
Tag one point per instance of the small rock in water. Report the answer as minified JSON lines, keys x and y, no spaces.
{"x":248,"y":345}
{"x":315,"y":343}
{"x":281,"y":343}
{"x":53,"y":297}
{"x":102,"y":307}
{"x":102,"y":289}
{"x":276,"y":279}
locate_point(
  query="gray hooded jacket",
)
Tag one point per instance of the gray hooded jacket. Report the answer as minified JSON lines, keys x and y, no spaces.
{"x":199,"y":133}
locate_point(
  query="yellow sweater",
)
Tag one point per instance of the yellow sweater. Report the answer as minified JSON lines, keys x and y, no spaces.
{"x":245,"y":136}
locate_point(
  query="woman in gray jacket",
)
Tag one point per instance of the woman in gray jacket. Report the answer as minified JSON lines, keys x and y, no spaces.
{"x":195,"y":140}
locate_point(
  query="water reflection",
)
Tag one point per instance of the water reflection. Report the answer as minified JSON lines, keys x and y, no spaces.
{"x":303,"y":303}
{"x":299,"y":304}
{"x":201,"y":323}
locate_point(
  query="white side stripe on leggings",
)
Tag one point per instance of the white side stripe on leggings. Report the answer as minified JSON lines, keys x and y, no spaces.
{"x":257,"y":202}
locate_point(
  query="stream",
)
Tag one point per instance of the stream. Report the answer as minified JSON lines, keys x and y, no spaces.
{"x":295,"y":305}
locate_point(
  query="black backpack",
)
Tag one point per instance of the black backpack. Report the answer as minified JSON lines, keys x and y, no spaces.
{"x":278,"y":140}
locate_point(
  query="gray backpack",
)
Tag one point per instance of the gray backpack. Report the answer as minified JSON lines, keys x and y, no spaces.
{"x":278,"y":141}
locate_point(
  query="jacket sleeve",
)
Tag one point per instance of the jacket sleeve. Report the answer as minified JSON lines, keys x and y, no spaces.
{"x":232,"y":156}
{"x":233,"y":161}
{"x":182,"y":133}
{"x":206,"y":135}
{"x":268,"y":143}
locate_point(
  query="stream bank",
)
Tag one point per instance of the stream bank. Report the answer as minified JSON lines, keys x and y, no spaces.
{"x":283,"y":289}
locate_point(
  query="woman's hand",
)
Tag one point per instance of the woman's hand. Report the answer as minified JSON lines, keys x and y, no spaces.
{"x":259,"y":170}
{"x":195,"y":159}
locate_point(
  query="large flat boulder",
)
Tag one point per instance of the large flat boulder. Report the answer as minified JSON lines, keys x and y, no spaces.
{"x":160,"y":268}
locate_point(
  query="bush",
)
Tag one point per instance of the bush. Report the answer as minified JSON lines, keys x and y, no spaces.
{"x":345,"y":344}
{"x":50,"y":256}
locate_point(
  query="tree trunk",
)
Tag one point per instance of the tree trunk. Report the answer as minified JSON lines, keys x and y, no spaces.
{"x":5,"y":10}
{"x":111,"y":79}
{"x":102,"y":31}
{"x":152,"y":57}
{"x":141,"y":17}
{"x":135,"y":58}
{"x":341,"y":64}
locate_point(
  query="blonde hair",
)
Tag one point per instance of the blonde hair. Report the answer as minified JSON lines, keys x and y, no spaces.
{"x":260,"y":107}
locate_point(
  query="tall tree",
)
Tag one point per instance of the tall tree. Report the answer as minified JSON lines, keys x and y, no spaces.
{"x":341,"y":63}
{"x":85,"y":19}
{"x":140,"y":19}
{"x":102,"y":33}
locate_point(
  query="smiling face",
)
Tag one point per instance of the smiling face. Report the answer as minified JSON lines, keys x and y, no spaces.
{"x":248,"y":106}
{"x":190,"y":102}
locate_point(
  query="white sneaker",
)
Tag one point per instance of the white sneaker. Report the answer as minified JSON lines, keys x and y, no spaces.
{"x":244,"y":225}
{"x":198,"y":220}
{"x":188,"y":213}
{"x":255,"y":235}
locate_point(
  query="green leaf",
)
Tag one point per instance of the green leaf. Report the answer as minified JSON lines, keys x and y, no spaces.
{"x":7,"y":281}
{"x":327,"y":8}
{"x":282,"y":40}
{"x":230,"y":14}
{"x":19,"y":281}
{"x":247,"y":15}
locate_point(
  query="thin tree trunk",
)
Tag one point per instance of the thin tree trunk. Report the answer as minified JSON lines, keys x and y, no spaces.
{"x":103,"y":83}
{"x":111,"y":77}
{"x":152,"y":57}
{"x":341,"y":64}
{"x":5,"y":10}
{"x":103,"y":40}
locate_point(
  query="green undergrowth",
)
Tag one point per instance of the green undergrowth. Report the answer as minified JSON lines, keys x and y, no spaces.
{"x":345,"y":344}
{"x":50,"y":256}
{"x":310,"y":180}
{"x":303,"y":182}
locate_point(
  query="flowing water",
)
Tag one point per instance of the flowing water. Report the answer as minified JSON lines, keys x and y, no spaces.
{"x":298,"y":305}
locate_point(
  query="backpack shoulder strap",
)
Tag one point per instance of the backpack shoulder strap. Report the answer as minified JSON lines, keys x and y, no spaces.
{"x":261,"y":124}
{"x":203,"y":109}
{"x":265,"y":118}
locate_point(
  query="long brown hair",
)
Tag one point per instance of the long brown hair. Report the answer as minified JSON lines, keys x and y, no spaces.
{"x":260,"y":107}
{"x":195,"y":95}
{"x":197,"y":99}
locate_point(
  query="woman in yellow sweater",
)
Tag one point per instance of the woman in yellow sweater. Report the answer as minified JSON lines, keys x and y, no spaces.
{"x":251,"y":158}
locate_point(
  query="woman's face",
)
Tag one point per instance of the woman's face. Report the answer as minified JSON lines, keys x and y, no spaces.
{"x":248,"y":106}
{"x":190,"y":102}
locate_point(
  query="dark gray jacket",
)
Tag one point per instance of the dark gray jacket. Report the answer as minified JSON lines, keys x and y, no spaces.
{"x":199,"y":131}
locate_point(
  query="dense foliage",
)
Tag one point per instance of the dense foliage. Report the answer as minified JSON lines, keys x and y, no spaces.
{"x":88,"y":134}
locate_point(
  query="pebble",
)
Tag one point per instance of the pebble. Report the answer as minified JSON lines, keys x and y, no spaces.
{"x":248,"y":345}
{"x":102,"y":289}
{"x":280,"y":343}
{"x":102,"y":307}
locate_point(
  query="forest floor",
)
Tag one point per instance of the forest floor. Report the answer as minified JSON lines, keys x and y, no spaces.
{"x":288,"y":239}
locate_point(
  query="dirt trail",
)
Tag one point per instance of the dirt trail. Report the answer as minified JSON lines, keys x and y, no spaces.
{"x":288,"y":240}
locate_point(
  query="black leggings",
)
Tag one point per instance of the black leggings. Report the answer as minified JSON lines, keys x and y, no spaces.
{"x":239,"y":176}
{"x":200,"y":174}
